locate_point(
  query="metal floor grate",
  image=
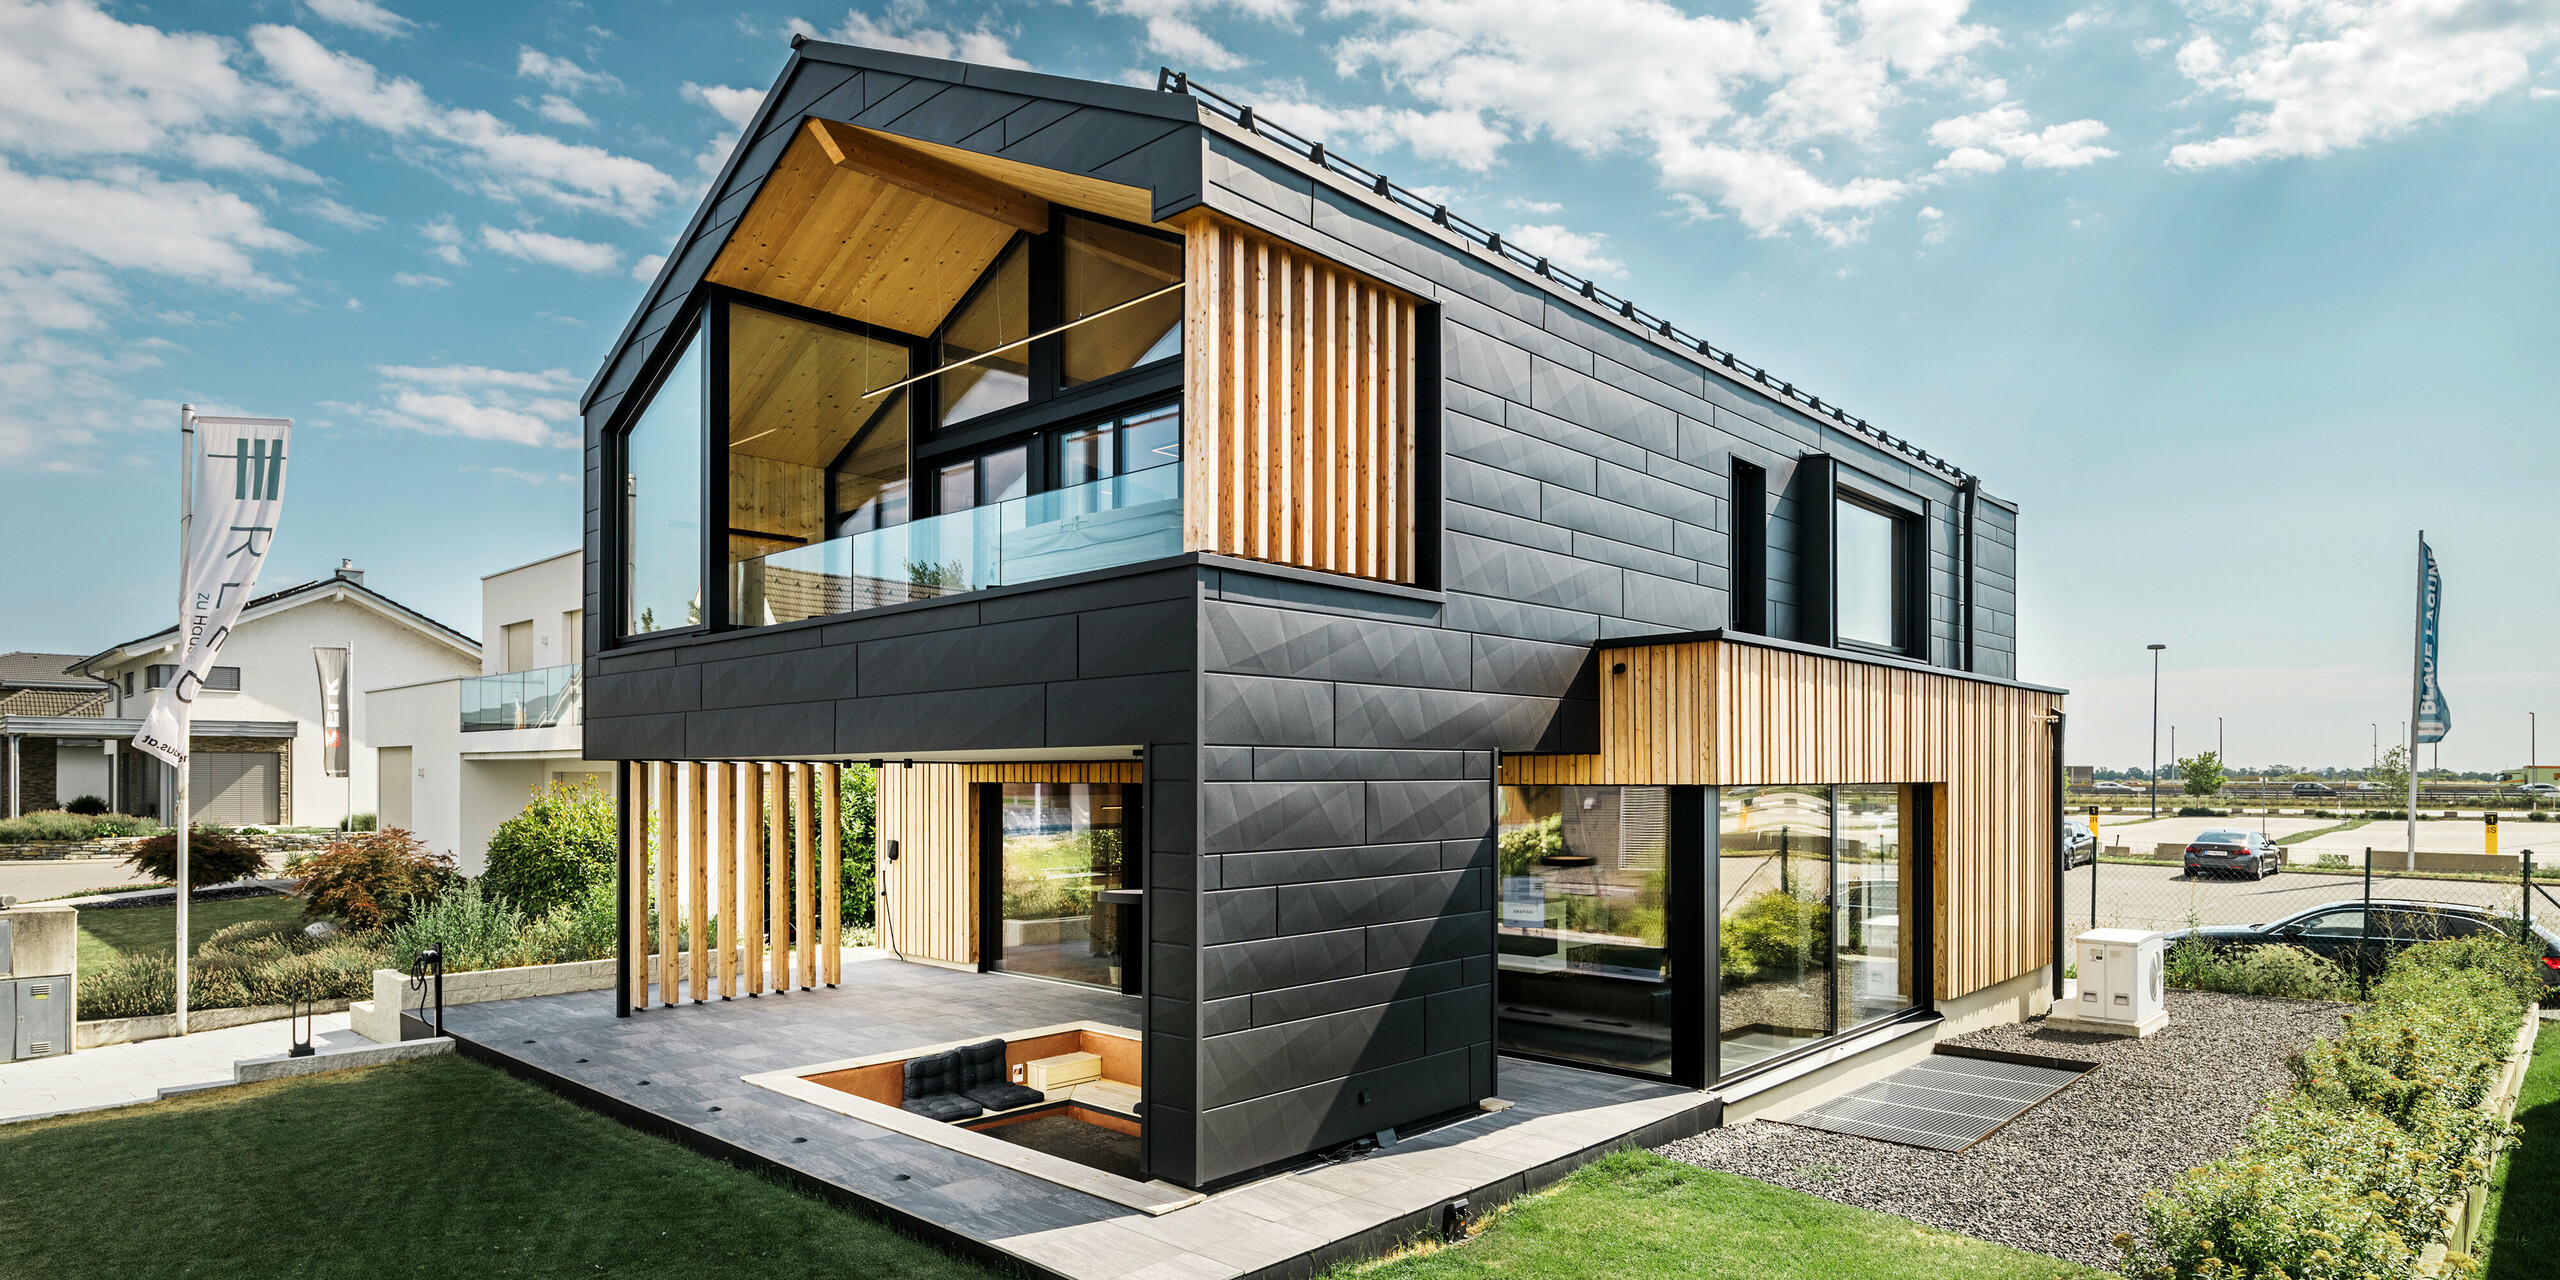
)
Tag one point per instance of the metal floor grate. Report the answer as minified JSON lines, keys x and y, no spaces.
{"x":1946,"y":1103}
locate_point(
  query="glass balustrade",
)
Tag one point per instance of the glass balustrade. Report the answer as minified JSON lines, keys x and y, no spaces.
{"x":537,"y":699}
{"x":1115,"y":521}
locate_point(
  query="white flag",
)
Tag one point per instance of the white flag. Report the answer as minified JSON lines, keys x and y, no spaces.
{"x":239,"y":492}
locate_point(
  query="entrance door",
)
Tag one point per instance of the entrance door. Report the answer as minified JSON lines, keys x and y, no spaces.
{"x":1058,"y":846}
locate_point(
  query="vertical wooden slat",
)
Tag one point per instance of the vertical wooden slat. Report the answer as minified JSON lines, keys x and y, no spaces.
{"x":830,"y":874}
{"x":725,"y":858}
{"x":635,"y":938}
{"x":697,"y":859}
{"x":758,"y":865}
{"x":669,"y":808}
{"x":804,"y":881}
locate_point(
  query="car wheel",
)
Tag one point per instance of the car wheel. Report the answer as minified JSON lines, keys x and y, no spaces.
{"x":2194,"y":874}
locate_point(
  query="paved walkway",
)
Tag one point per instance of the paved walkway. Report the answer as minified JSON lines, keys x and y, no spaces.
{"x":28,"y":879}
{"x":121,"y":1074}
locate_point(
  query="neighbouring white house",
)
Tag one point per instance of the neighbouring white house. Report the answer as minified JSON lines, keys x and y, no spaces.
{"x":46,"y":771}
{"x":456,"y":757}
{"x":259,"y":729}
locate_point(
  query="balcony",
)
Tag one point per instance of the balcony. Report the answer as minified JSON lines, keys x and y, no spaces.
{"x":537,"y":699}
{"x":1116,"y":521}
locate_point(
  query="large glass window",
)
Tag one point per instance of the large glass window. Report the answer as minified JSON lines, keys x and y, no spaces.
{"x":1869,"y":561}
{"x":662,"y":503}
{"x":1059,"y":846}
{"x":1584,"y":970}
{"x":1106,"y":270}
{"x":1818,"y":915}
{"x":809,"y":445}
{"x":990,"y":326}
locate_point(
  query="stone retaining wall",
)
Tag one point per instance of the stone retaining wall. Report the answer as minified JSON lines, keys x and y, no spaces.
{"x":378,"y":1019}
{"x":122,"y":846}
{"x":107,"y":1031}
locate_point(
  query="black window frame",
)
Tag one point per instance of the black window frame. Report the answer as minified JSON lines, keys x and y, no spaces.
{"x":1909,"y":520}
{"x":1051,"y":409}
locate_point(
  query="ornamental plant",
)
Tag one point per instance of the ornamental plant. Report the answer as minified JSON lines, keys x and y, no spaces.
{"x":214,"y":856}
{"x":372,"y":879}
{"x":555,"y":850}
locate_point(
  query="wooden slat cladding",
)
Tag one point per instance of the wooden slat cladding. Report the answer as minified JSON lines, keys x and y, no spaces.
{"x":1056,"y":771}
{"x":1298,"y":407}
{"x":745,"y":854}
{"x":928,"y":898}
{"x":1731,"y":714}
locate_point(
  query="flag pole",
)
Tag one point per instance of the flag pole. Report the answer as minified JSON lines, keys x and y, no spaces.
{"x":2417,"y":685}
{"x":186,"y":521}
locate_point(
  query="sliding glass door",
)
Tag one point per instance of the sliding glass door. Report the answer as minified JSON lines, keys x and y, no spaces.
{"x":1584,"y":967}
{"x":1058,"y":847}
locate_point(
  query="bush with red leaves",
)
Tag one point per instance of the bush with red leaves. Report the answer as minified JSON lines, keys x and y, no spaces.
{"x":372,"y":878}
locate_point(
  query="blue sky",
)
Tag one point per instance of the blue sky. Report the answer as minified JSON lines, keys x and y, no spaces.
{"x":2231,"y":295}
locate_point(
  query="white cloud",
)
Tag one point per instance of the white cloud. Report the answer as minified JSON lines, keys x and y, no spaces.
{"x":486,"y":154}
{"x":124,"y":218}
{"x":363,"y":15}
{"x":583,"y":256}
{"x":902,"y":28}
{"x":1533,"y":206}
{"x":479,"y":403}
{"x":1173,"y":29}
{"x":1736,"y":113}
{"x":1462,"y":138}
{"x":646,"y":269}
{"x":76,"y":82}
{"x":446,"y":239}
{"x":1574,"y":251}
{"x":526,"y":477}
{"x":416,"y":280}
{"x":336,"y":214}
{"x":1933,"y":225}
{"x":560,"y":73}
{"x":737,"y":106}
{"x":1987,"y":141}
{"x":232,"y":152}
{"x":559,"y":110}
{"x":2325,"y":76}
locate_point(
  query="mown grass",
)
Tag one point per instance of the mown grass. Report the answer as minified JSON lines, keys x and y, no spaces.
{"x":436,"y":1167}
{"x":1637,"y":1214}
{"x":2520,"y":1229}
{"x":104,"y":935}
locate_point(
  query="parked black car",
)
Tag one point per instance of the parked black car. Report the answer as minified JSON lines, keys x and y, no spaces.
{"x":2236,"y":852}
{"x":2314,"y":789}
{"x":2338,"y":931}
{"x":2079,"y":843}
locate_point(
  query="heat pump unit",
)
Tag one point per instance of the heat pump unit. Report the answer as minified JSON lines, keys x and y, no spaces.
{"x":2123,"y":983}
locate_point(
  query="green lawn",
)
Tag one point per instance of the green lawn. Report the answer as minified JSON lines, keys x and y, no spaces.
{"x":1638,"y":1214}
{"x":431,"y":1168}
{"x":126,"y":930}
{"x":2520,"y":1229}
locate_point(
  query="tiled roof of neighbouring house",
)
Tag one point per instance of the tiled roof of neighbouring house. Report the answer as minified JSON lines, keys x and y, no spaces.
{"x":53,"y":702}
{"x":23,"y":669}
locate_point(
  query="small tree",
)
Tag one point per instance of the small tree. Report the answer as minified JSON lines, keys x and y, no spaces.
{"x":550,"y":854}
{"x":2392,"y":774}
{"x":371,"y":879}
{"x":214,"y":856}
{"x":2203,"y":773}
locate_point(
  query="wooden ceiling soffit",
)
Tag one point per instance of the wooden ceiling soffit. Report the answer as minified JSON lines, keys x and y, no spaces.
{"x":841,"y":238}
{"x":901,"y":164}
{"x":1113,"y":199}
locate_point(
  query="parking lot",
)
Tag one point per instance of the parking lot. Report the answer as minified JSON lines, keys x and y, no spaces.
{"x":2160,"y":896}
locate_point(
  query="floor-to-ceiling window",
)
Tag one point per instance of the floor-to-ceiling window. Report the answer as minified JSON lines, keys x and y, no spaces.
{"x":1817,"y":914}
{"x":1585,"y":972}
{"x":1058,"y":845}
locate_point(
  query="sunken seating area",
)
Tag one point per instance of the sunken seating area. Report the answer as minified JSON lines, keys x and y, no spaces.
{"x":963,"y":1083}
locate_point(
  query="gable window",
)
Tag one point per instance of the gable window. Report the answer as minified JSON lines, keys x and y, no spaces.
{"x":1116,"y":279}
{"x":990,"y":331}
{"x":1871,"y":559}
{"x":662,"y":503}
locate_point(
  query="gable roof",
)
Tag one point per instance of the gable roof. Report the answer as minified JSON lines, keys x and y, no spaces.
{"x":295,"y":596}
{"x":25,"y":669}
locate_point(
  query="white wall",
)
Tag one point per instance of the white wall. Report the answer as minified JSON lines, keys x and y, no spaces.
{"x":427,"y":720}
{"x":279,"y":681}
{"x":539,"y":593}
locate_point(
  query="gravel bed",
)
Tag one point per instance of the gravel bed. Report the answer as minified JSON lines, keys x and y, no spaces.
{"x":2067,"y":1176}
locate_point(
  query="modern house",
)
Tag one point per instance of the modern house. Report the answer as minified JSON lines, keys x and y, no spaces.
{"x":1372,"y":652}
{"x":456,"y":756}
{"x":44,"y":771}
{"x":261,"y":726}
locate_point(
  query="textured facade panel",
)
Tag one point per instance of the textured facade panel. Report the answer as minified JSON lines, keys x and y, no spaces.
{"x":1300,"y":866}
{"x":819,"y":675}
{"x":1501,"y":447}
{"x":1119,"y":710}
{"x":1376,"y":716}
{"x":1335,"y":904}
{"x":1309,"y":646}
{"x":1264,"y":1008}
{"x":1010,"y":718}
{"x":1268,"y":965}
{"x":1240,"y":816}
{"x":1035,"y":649}
{"x":1251,"y":711}
{"x":1288,"y":764}
{"x":1437,"y":810}
{"x":1267,"y":1060}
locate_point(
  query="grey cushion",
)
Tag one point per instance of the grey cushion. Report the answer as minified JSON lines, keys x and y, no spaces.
{"x":1005,"y":1097}
{"x":980,"y":1064}
{"x":931,"y":1074}
{"x":943,"y":1106}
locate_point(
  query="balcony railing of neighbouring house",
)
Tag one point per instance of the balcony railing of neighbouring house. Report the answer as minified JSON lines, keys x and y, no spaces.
{"x":1120,"y":520}
{"x":537,"y":699}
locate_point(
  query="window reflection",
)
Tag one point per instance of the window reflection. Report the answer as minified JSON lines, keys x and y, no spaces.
{"x":1818,"y":915}
{"x":662,"y":504}
{"x":997,"y":316}
{"x":1869,"y":582}
{"x":1106,"y":266}
{"x":1062,"y":843}
{"x":1584,"y":974}
{"x":1876,"y":922}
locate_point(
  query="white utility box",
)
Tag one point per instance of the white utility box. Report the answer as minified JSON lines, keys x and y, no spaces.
{"x":2123,"y":983}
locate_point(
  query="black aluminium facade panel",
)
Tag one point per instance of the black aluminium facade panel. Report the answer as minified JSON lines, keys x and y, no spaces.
{"x":1320,"y":753}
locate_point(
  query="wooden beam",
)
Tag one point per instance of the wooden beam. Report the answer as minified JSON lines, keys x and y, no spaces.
{"x":831,"y":874}
{"x":929,"y":176}
{"x":667,"y":809}
{"x":804,"y":882}
{"x":733,"y":807}
{"x":777,"y":878}
{"x":635,"y":888}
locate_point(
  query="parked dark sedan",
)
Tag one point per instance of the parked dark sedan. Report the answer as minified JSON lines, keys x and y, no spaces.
{"x":2079,"y":843}
{"x":2234,"y":852}
{"x":2339,"y":931}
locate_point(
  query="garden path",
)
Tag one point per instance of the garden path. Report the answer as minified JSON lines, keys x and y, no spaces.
{"x":122,"y":1074}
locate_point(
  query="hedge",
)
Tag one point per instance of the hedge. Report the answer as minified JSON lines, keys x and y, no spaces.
{"x":2343,"y":1176}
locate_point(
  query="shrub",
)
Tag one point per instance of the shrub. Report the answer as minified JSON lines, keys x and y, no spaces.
{"x":1774,"y":930}
{"x":122,"y":824}
{"x":214,"y":856}
{"x":357,"y":822}
{"x":2334,"y":860}
{"x":581,"y":930}
{"x":44,"y":824}
{"x":859,"y":792}
{"x":2288,"y":972}
{"x":372,"y":879}
{"x":2199,"y":811}
{"x":472,"y":927}
{"x":2344,"y":1174}
{"x":86,"y":806}
{"x":2537,"y":816}
{"x":254,"y":963}
{"x":1523,"y":845}
{"x":548,"y":855}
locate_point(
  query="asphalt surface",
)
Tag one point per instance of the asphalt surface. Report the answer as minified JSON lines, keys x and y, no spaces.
{"x":2162,"y":897}
{"x":30,"y":879}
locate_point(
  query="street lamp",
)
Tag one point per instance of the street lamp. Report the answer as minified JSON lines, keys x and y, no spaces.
{"x":2155,"y":730}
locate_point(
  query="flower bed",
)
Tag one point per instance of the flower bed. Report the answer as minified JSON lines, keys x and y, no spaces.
{"x":2354,"y":1171}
